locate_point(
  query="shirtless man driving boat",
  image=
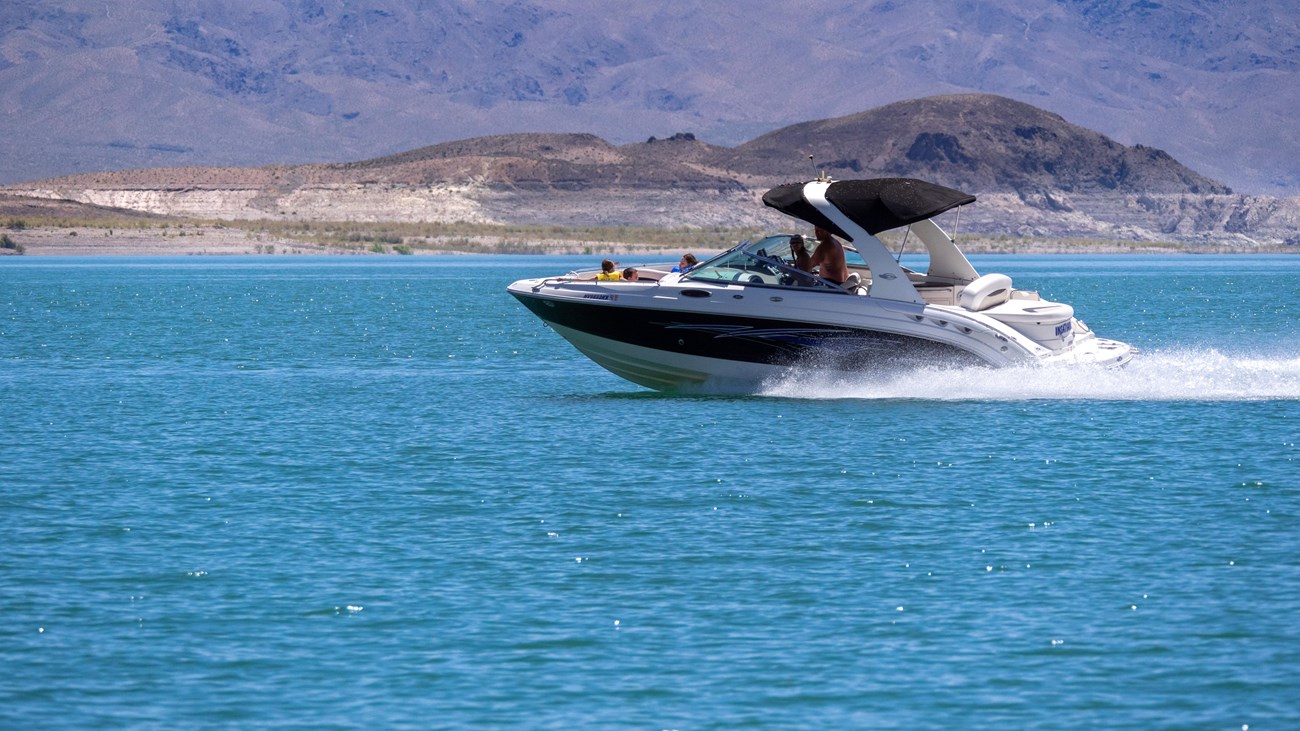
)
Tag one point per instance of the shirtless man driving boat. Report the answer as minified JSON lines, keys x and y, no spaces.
{"x":830,"y":255}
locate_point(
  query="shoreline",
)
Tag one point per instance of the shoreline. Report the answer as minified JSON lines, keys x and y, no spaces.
{"x":220,"y":239}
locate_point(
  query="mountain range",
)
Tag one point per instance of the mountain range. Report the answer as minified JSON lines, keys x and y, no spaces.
{"x":91,"y":86}
{"x":1036,"y":175}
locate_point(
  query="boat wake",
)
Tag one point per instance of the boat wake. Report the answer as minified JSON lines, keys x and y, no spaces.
{"x":1169,"y":375}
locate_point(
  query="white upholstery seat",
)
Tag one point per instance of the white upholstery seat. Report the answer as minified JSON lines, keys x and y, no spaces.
{"x":988,"y":291}
{"x":1031,"y":312}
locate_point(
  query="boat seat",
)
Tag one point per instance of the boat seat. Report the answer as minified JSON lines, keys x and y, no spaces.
{"x":854,"y":284}
{"x":988,"y":291}
{"x":1030,"y":312}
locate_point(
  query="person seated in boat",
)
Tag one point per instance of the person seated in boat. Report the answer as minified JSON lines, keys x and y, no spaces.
{"x":688,"y":261}
{"x":802,"y":261}
{"x":631,"y":275}
{"x":607,"y":272}
{"x":830,"y":257}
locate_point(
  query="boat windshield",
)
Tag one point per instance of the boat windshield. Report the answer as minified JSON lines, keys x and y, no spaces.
{"x":766,"y":262}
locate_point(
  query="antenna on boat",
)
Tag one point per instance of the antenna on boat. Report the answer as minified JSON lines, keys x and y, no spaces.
{"x":821,"y":174}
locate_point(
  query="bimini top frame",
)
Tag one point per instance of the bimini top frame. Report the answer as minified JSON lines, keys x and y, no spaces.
{"x":859,"y":209}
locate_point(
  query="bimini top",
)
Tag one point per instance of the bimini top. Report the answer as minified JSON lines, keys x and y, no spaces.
{"x":879,"y":204}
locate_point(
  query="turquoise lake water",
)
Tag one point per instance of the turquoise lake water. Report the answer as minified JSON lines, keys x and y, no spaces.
{"x":377,"y":493}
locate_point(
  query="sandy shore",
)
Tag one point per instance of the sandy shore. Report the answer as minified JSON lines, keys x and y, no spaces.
{"x":216,"y":240}
{"x":219,"y":240}
{"x":193,"y":240}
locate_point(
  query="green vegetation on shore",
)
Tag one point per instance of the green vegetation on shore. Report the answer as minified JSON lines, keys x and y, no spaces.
{"x":513,"y":239}
{"x":26,"y":222}
{"x":11,"y":245}
{"x":482,"y":238}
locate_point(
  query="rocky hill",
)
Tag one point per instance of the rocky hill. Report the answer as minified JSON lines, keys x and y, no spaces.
{"x":1036,"y":174}
{"x":549,"y":161}
{"x":976,"y":142}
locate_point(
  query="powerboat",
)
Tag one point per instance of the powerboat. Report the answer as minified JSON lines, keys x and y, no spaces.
{"x":754,"y":312}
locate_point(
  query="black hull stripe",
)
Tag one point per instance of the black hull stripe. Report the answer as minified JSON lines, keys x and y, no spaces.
{"x":750,"y":340}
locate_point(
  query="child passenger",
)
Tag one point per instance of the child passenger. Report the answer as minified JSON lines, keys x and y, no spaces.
{"x":607,"y":272}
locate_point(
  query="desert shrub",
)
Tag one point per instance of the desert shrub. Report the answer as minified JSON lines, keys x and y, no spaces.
{"x":8,"y":243}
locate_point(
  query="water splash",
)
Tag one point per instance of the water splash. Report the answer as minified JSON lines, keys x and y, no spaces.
{"x":1165,"y":375}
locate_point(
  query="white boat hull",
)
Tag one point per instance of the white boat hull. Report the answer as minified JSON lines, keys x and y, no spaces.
{"x":656,"y":336}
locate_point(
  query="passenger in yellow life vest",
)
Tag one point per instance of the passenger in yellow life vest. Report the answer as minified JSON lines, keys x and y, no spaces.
{"x":608,"y":272}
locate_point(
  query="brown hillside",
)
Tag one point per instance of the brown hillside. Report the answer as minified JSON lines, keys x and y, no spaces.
{"x":17,"y":208}
{"x":531,"y":161}
{"x":577,"y":148}
{"x":976,"y":142}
